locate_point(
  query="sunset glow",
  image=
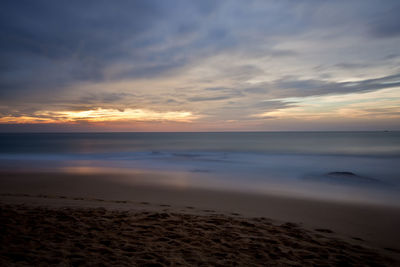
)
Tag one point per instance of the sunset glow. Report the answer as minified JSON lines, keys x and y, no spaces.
{"x":101,"y":115}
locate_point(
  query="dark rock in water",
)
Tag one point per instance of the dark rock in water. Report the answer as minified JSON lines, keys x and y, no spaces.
{"x":350,"y":177}
{"x":345,"y":177}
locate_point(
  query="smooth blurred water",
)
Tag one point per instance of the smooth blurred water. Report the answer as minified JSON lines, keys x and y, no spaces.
{"x":293,"y":163}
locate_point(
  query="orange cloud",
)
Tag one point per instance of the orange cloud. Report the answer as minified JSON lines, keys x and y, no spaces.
{"x":101,"y":115}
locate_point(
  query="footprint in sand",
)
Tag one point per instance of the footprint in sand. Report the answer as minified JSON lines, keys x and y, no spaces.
{"x":121,"y":201}
{"x":209,"y":210}
{"x":322,"y":230}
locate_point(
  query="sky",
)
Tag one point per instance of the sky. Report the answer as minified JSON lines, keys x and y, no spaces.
{"x":199,"y":65}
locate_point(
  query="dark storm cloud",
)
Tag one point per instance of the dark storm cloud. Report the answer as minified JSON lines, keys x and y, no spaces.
{"x":302,"y":88}
{"x":50,"y":44}
{"x":292,"y":87}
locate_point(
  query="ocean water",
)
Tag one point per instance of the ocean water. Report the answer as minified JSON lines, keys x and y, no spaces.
{"x":340,"y":166}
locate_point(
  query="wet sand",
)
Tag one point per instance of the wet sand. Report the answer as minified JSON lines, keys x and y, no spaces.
{"x":51,"y":219}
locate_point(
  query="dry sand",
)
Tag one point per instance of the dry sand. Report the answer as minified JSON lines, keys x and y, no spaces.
{"x":97,"y":236}
{"x":49,"y":219}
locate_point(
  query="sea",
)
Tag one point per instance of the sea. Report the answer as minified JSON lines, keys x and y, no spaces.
{"x":333,"y":166}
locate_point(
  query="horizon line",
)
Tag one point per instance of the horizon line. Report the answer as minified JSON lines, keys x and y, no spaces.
{"x":271,"y":131}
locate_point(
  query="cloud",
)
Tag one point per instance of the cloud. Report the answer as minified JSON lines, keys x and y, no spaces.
{"x":226,"y":60}
{"x":304,"y":88}
{"x":200,"y":99}
{"x":384,"y":103}
{"x":350,"y":66}
{"x":387,"y":23}
{"x":47,"y":45}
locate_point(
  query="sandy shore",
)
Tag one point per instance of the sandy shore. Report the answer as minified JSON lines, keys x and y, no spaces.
{"x":79,"y":219}
{"x":97,"y":236}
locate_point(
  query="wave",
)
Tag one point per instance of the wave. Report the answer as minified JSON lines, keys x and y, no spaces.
{"x":325,"y":176}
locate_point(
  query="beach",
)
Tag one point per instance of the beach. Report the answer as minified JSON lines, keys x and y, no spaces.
{"x":93,"y":220}
{"x":208,"y":199}
{"x":199,"y":133}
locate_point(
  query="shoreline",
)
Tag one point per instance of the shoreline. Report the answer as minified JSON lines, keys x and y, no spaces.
{"x":375,"y":223}
{"x":369,"y":226}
